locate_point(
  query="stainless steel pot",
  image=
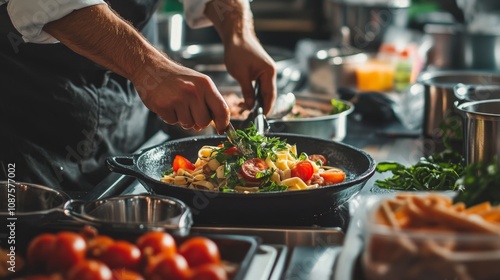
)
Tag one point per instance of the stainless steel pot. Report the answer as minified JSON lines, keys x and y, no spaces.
{"x":439,"y":97}
{"x":481,"y":130}
{"x":456,"y":48}
{"x":332,"y":68}
{"x":367,"y":19}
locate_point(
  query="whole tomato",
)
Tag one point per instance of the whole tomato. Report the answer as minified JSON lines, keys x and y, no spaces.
{"x":38,"y":251}
{"x":56,"y":252}
{"x":89,"y":270}
{"x":209,"y":271}
{"x":121,"y":254}
{"x":69,"y":249}
{"x":166,"y":266}
{"x":200,"y":250}
{"x":155,"y":242}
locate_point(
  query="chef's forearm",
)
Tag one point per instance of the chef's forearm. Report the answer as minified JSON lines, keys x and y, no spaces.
{"x":97,"y":33}
{"x":232,"y":19}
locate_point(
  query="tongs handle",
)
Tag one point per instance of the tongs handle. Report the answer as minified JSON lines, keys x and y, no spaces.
{"x":256,"y":114}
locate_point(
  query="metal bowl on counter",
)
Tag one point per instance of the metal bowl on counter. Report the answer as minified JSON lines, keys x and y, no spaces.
{"x":133,"y":213}
{"x":28,"y":204}
{"x":267,"y":208}
{"x":328,"y":125}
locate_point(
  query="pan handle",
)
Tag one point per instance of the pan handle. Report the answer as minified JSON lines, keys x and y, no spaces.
{"x":124,"y":164}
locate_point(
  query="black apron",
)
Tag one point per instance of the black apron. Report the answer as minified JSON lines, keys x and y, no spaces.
{"x":61,"y":114}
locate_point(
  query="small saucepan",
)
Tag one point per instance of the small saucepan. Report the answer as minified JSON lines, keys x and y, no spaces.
{"x":29,"y":205}
{"x":137,"y":213}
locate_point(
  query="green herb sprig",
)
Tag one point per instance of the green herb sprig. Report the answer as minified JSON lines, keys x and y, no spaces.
{"x":436,"y":172}
{"x":480,"y":182}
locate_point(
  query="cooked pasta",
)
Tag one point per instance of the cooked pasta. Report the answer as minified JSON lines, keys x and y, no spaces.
{"x":274,"y":166}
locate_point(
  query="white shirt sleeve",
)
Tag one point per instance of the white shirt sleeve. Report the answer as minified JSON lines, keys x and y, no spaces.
{"x":29,"y":17}
{"x":194,"y":13}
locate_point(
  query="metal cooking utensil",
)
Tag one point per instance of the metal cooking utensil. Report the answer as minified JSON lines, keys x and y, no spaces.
{"x":256,"y":114}
{"x":234,"y":138}
{"x":283,"y":106}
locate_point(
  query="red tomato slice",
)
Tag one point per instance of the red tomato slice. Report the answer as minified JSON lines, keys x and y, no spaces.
{"x":251,"y":167}
{"x":333,"y":176}
{"x":182,"y":162}
{"x":304,"y":170}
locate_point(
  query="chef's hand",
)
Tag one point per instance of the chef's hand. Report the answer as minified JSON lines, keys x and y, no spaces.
{"x":177,"y":94}
{"x":181,"y":95}
{"x":245,"y":58}
{"x":248,"y":62}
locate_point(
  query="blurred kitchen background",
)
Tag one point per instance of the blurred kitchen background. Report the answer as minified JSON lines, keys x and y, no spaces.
{"x":339,"y":48}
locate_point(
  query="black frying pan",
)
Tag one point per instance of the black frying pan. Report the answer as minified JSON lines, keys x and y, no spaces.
{"x":276,"y":208}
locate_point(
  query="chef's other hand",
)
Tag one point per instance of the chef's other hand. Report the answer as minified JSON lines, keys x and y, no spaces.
{"x":245,"y":58}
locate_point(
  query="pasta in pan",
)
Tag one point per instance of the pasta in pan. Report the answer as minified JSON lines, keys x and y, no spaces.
{"x":274,"y":165}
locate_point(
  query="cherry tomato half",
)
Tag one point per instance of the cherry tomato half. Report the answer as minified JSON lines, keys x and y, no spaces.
{"x":89,"y":270}
{"x":182,"y":162}
{"x":251,"y":167}
{"x":317,"y":157}
{"x":200,"y":250}
{"x":209,"y":271}
{"x":304,"y":170}
{"x":154,"y":242}
{"x":333,"y":176}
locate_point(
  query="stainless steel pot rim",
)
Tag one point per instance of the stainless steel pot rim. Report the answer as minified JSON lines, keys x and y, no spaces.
{"x":60,"y":207}
{"x":466,"y":108}
{"x":180,"y":221}
{"x":375,"y":3}
{"x":315,"y":119}
{"x":432,"y":78}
